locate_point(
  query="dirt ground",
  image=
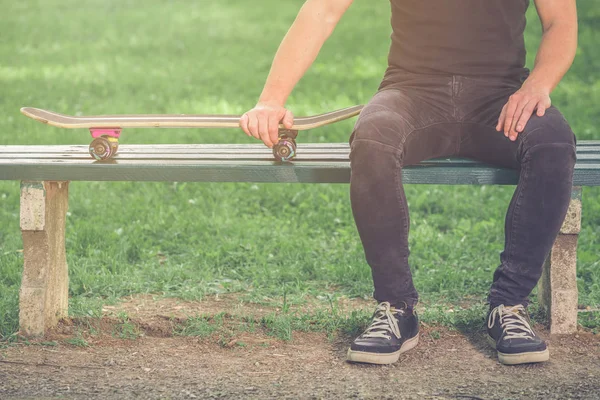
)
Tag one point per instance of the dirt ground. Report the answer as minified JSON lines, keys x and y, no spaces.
{"x":445,"y":365}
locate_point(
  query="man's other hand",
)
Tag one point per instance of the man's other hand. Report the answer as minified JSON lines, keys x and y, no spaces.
{"x":520,"y":107}
{"x":262,"y":122}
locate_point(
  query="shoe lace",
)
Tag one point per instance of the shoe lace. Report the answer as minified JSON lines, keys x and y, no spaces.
{"x":512,"y":320}
{"x":383,"y":323}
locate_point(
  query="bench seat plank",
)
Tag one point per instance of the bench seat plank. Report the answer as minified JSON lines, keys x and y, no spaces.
{"x":590,"y":145}
{"x":317,"y":155}
{"x":315,"y":163}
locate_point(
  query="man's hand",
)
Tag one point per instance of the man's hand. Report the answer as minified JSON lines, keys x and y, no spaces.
{"x":262,"y":122}
{"x":553,"y":59}
{"x":520,"y":108}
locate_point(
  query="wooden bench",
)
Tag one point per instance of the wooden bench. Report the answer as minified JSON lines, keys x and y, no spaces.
{"x":45,"y":173}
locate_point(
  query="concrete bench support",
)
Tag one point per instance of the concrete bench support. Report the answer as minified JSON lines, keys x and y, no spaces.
{"x":45,"y":283}
{"x":558,"y":286}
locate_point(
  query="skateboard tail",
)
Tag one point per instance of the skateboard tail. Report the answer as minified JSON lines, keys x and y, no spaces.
{"x":30,"y":112}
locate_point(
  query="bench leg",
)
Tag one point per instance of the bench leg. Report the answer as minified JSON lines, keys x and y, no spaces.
{"x":558,"y":285}
{"x":43,"y":298}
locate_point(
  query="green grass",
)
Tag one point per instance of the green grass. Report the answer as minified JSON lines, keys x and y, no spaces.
{"x":228,"y":328}
{"x":200,"y":326}
{"x":78,"y":340}
{"x":261,"y":240}
{"x":590,"y":320}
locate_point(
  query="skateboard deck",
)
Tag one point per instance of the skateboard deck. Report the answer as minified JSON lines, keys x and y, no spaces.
{"x":106,"y":129}
{"x":175,"y":120}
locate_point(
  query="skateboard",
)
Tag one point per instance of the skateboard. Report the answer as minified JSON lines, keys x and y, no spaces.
{"x":106,"y":129}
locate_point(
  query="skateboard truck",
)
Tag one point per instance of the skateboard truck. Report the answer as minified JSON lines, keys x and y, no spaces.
{"x":285,"y":148}
{"x":105,"y":143}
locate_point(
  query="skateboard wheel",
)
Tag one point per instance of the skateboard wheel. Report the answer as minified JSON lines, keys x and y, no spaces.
{"x":285,"y":149}
{"x":114,"y":145}
{"x":101,"y":148}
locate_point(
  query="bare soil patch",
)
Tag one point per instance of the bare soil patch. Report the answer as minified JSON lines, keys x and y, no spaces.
{"x":445,"y":365}
{"x":148,"y":306}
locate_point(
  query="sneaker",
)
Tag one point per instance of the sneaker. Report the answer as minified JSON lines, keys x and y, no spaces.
{"x":392,"y":332}
{"x":509,"y":332}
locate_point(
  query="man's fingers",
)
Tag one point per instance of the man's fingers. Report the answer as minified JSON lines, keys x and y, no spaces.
{"x":262,"y":122}
{"x":510,"y":115}
{"x":273,"y":129}
{"x":542,"y":107}
{"x":253,"y":125}
{"x":525,"y":115}
{"x":288,"y":119}
{"x":500,"y":124}
{"x":512,"y":132}
{"x":244,"y":124}
{"x":508,"y":123}
{"x":518,"y":110}
{"x":263,"y":129}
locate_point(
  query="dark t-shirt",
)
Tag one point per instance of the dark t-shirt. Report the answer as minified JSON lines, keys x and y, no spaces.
{"x":458,"y":37}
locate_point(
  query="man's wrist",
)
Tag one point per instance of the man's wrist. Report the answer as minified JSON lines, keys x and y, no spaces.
{"x":272,"y":101}
{"x":540,"y":85}
{"x":273,"y":95}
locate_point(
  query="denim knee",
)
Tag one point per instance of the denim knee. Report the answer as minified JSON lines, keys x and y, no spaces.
{"x":549,"y":131}
{"x":380,"y":125}
{"x":552,"y":128}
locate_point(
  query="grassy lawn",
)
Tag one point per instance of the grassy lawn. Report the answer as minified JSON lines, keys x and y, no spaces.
{"x":263,"y":241}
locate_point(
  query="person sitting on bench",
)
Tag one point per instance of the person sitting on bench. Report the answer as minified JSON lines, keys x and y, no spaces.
{"x":456,"y":85}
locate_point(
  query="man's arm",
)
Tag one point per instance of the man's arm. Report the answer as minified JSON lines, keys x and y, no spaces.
{"x":298,"y":50}
{"x":554,"y":58}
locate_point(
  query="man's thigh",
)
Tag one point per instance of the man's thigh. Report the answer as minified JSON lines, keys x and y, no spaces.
{"x":480,"y":107}
{"x":482,"y":142}
{"x":413,"y":124}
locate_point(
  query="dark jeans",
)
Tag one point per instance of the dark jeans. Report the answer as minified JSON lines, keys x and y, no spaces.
{"x":422,"y":117}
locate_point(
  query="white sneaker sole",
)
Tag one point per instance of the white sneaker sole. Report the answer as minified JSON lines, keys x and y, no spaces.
{"x":520,"y":358}
{"x":378,"y":358}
